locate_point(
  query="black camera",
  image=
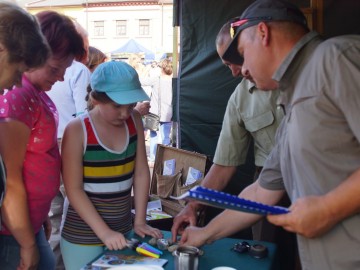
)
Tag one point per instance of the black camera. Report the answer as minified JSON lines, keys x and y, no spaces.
{"x":256,"y":251}
{"x":241,"y":247}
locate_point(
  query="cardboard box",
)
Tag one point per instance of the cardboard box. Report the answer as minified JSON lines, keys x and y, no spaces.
{"x":183,"y":160}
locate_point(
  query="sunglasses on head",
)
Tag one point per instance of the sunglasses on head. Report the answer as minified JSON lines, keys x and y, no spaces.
{"x":240,"y":22}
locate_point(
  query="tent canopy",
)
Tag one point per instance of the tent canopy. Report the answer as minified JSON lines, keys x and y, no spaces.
{"x":132,"y":46}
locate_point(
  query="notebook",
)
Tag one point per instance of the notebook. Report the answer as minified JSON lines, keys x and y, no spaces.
{"x":112,"y":259}
{"x":227,"y":201}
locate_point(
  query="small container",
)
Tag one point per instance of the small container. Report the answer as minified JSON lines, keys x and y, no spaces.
{"x":186,"y":258}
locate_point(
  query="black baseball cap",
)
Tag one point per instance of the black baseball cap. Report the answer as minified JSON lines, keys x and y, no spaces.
{"x":262,"y":11}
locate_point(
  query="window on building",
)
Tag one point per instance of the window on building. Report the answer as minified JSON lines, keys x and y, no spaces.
{"x":98,"y":28}
{"x":121,"y":28}
{"x":144,"y":27}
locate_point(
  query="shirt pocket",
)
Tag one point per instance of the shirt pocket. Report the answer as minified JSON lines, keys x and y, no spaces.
{"x":262,"y":129}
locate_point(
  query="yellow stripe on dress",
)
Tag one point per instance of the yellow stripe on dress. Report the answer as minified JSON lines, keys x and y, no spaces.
{"x":110,"y":171}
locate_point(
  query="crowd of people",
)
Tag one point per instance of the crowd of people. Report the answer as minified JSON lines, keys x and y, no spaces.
{"x":72,"y":142}
{"x":45,"y":71}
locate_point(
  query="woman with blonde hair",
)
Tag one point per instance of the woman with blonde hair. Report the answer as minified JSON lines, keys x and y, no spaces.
{"x":96,"y":57}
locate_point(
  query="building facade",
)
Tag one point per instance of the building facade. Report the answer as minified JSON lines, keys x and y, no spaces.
{"x":111,"y":24}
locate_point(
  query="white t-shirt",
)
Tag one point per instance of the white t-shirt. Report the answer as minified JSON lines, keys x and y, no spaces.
{"x":69,"y":95}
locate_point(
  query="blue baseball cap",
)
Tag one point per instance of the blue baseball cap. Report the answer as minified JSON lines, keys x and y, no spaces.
{"x":119,"y":81}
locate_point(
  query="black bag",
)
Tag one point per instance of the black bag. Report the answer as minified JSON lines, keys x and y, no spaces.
{"x":151,"y":121}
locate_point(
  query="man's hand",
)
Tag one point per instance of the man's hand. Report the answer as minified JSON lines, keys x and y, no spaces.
{"x":309,"y":217}
{"x":194,"y":236}
{"x":143,"y":108}
{"x":186,"y":217}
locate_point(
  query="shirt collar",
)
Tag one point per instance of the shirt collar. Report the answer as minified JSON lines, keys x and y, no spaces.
{"x":250,"y":86}
{"x":279,"y":73}
{"x":289,"y":68}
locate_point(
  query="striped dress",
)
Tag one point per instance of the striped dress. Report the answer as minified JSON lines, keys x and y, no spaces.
{"x":108,"y":179}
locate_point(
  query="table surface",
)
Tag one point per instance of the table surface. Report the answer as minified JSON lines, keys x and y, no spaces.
{"x":219,"y":253}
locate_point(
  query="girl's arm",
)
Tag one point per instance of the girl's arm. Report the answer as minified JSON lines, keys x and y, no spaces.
{"x":14,"y":136}
{"x":72,"y":171}
{"x":142,"y":184}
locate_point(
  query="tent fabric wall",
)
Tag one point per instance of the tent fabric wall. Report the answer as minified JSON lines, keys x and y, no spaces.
{"x":132,"y":46}
{"x":204,"y":83}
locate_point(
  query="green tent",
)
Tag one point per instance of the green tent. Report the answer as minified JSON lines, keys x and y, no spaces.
{"x":204,"y":84}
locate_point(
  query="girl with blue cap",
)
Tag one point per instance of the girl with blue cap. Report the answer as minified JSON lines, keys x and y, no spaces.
{"x":104,"y":157}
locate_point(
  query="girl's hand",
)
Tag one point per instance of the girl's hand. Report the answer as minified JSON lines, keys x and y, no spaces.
{"x":143,"y":229}
{"x":114,"y":240}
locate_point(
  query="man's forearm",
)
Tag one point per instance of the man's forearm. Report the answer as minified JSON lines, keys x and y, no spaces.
{"x":217,"y":178}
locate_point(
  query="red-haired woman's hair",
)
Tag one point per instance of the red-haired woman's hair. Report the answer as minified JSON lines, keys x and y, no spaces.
{"x":61,"y":34}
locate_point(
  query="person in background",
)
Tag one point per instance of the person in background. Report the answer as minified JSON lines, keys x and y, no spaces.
{"x":146,"y":75}
{"x":143,"y":107}
{"x":316,"y":157}
{"x":69,"y":98}
{"x":161,"y":104}
{"x":154,"y":70}
{"x":69,"y":94}
{"x":136,"y":62}
{"x":247,"y":107}
{"x":96,"y":57}
{"x":104,"y":157}
{"x":30,"y":151}
{"x":22,"y":47}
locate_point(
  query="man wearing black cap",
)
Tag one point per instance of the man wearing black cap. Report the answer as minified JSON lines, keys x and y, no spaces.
{"x":317,"y":156}
{"x":251,"y":114}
